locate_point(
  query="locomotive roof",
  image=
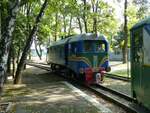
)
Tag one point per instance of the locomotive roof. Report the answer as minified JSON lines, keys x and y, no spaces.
{"x":141,"y":23}
{"x":63,"y":41}
{"x":75,"y":38}
{"x":87,"y":36}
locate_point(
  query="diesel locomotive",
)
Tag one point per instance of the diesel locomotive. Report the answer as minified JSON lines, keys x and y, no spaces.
{"x":140,"y":62}
{"x":83,"y":55}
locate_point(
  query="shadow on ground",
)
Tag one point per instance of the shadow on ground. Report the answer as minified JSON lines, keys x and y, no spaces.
{"x":43,"y":92}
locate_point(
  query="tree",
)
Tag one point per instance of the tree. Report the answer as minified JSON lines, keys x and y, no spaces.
{"x":19,"y":35}
{"x":38,"y":48}
{"x":95,"y":8}
{"x":8,"y":23}
{"x":125,"y":45}
{"x":143,"y":8}
{"x":85,"y":16}
{"x":28,"y":44}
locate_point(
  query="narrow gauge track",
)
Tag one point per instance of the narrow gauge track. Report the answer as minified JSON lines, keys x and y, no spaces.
{"x":120,"y":99}
{"x":42,"y":66}
{"x":118,"y":93}
{"x":118,"y":77}
{"x":115,"y":97}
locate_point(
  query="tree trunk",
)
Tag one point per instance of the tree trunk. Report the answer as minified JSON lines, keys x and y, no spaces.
{"x":80,"y":26}
{"x":85,"y":16}
{"x":85,"y":24}
{"x":39,"y":52}
{"x":18,"y":55}
{"x":95,"y":7}
{"x":0,"y":23}
{"x":6,"y":38}
{"x":70,"y":25}
{"x":28,"y":11}
{"x":64,"y":19}
{"x":125,"y":46}
{"x":124,"y":54}
{"x":8,"y":66}
{"x":30,"y":54}
{"x":9,"y":62}
{"x":28,"y":45}
{"x":14,"y":66}
{"x":56,"y":24}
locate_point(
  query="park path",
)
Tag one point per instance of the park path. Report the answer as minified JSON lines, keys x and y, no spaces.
{"x":43,"y":92}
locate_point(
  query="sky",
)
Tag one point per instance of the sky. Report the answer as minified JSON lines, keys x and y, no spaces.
{"x":119,"y":8}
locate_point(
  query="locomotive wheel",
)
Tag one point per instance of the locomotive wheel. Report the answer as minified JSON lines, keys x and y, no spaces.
{"x":57,"y":67}
{"x":69,"y":74}
{"x":82,"y":77}
{"x":53,"y":67}
{"x":66,"y":73}
{"x":72,"y":75}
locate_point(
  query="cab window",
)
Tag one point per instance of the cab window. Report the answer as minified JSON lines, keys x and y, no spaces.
{"x":73,"y":48}
{"x":88,"y":46}
{"x":100,"y":47}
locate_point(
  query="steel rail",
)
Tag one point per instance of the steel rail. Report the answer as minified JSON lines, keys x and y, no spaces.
{"x":39,"y":66}
{"x":109,"y":98}
{"x":118,"y":77}
{"x":129,"y":106}
{"x":115,"y":92}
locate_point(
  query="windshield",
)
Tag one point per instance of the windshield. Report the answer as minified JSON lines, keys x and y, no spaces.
{"x":94,"y":46}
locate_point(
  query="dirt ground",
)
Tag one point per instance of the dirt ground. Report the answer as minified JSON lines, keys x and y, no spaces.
{"x":43,"y":92}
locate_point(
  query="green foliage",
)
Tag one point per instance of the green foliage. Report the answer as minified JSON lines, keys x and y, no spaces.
{"x":132,"y":15}
{"x":143,"y":8}
{"x":117,"y":41}
{"x":19,"y":34}
{"x":57,"y":19}
{"x":107,"y":21}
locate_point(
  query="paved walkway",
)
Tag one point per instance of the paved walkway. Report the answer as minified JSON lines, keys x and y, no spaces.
{"x":42,"y":92}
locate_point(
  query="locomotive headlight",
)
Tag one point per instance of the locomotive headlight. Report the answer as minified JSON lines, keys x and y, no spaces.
{"x":81,"y":70}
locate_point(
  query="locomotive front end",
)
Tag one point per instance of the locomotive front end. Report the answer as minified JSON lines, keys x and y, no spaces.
{"x":95,"y":61}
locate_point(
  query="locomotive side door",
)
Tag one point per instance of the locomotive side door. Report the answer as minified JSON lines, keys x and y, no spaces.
{"x":136,"y":60}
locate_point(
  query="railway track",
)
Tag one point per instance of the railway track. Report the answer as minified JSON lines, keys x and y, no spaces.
{"x":109,"y":75}
{"x":45,"y":67}
{"x":113,"y":76}
{"x":121,"y":95}
{"x":118,"y":98}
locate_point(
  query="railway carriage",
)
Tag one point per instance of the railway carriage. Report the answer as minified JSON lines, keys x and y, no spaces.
{"x":86,"y":55}
{"x":140,"y":62}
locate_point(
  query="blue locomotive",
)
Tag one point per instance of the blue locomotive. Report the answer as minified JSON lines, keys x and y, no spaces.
{"x":83,"y":56}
